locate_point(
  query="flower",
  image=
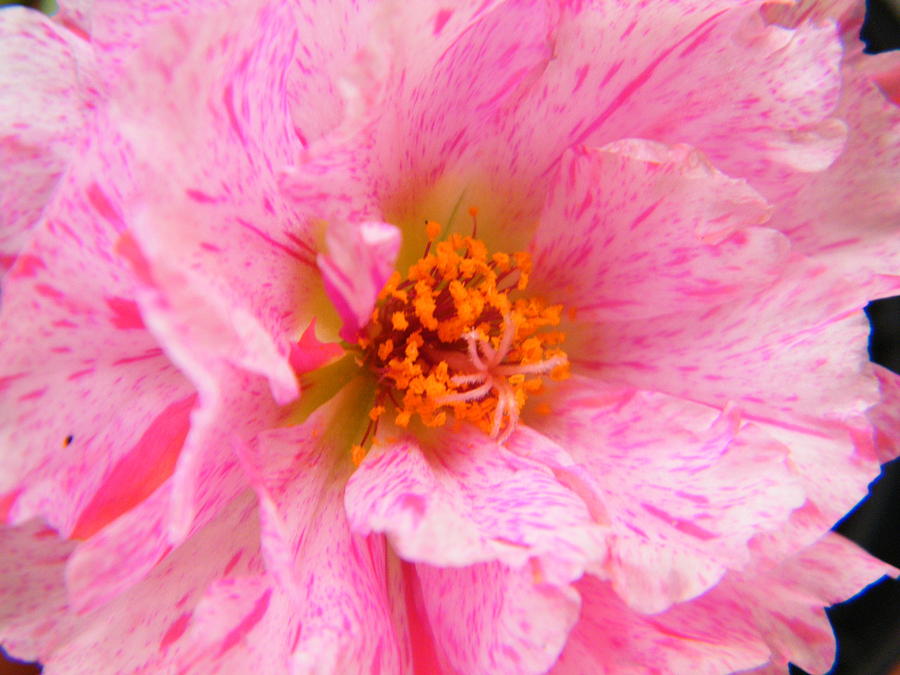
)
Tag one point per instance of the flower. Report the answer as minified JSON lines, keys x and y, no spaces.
{"x":506,"y":337}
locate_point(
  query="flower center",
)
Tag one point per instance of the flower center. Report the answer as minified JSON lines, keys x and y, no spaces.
{"x":458,"y":335}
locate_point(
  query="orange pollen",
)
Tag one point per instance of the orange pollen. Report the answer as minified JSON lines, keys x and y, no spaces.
{"x":457,"y":336}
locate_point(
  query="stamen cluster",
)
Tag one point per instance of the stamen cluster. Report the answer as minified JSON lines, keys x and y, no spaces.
{"x":457,"y":336}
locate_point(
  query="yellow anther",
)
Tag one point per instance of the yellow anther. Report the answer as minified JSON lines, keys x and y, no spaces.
{"x":399,"y":321}
{"x":385,"y":349}
{"x":357,"y":454}
{"x":432,"y":230}
{"x":376,"y":412}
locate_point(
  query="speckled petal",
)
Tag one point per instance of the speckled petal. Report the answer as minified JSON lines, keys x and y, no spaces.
{"x":794,"y":353}
{"x":465,"y":499}
{"x":675,"y":84}
{"x":141,"y":630}
{"x":489,"y":619}
{"x":760,"y":619}
{"x":334,"y":580}
{"x":40,"y":123}
{"x":102,"y":411}
{"x":359,"y":261}
{"x":686,"y":487}
{"x":637,"y":229}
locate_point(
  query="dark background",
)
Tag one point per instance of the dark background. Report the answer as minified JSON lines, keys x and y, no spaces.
{"x":868,"y":625}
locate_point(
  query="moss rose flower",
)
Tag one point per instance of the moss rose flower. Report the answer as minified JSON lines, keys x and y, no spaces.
{"x":495,"y":336}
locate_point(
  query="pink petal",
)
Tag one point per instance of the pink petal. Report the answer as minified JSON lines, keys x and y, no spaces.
{"x":117,"y":30}
{"x":32,"y":592}
{"x":141,"y":630}
{"x":447,"y":111}
{"x":468,"y":500}
{"x":90,"y":403}
{"x":137,"y":474}
{"x":488,"y":618}
{"x":40,"y":123}
{"x":240,"y":625}
{"x":611,"y":637}
{"x":685,"y":487}
{"x":885,"y":415}
{"x":785,"y":355}
{"x":120,"y":555}
{"x":760,"y":619}
{"x":815,"y":209}
{"x":308,"y":353}
{"x":637,"y":229}
{"x":334,"y":580}
{"x":359,"y":261}
{"x":787,"y":602}
{"x":676,"y":85}
{"x":231,"y":261}
{"x":234,"y":406}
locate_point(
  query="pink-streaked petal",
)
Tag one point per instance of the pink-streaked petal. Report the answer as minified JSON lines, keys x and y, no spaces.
{"x":359,"y":261}
{"x":787,"y":603}
{"x":637,"y":229}
{"x":335,"y":581}
{"x":233,"y":406}
{"x":761,"y":619}
{"x":142,"y":629}
{"x":794,"y":353}
{"x":39,"y":123}
{"x":885,"y":415}
{"x":120,"y":555}
{"x":468,"y":500}
{"x":685,"y":486}
{"x":232,"y":261}
{"x":116,"y":29}
{"x":675,"y":84}
{"x":848,"y":218}
{"x":32,"y":591}
{"x":240,"y":625}
{"x":613,"y":638}
{"x":143,"y":469}
{"x":443,"y":113}
{"x":94,"y":417}
{"x":488,"y":618}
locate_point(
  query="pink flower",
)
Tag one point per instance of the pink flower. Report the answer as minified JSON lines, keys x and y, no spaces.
{"x":604,"y":424}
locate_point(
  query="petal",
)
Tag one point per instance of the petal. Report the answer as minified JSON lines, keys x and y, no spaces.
{"x":39,"y":123}
{"x":847,"y":217}
{"x":141,"y":630}
{"x":234,"y":406}
{"x":763,"y":618}
{"x":885,"y":415}
{"x":636,"y":229}
{"x":32,"y":592}
{"x":491,"y":60}
{"x":468,"y":500}
{"x":117,"y":30}
{"x":359,"y":261}
{"x":686,"y":488}
{"x":788,"y":354}
{"x":786,"y":603}
{"x":488,"y":618}
{"x":334,"y":580}
{"x":96,"y":413}
{"x":231,"y":261}
{"x":613,"y":638}
{"x":241,"y":624}
{"x":120,"y":555}
{"x":676,"y":85}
